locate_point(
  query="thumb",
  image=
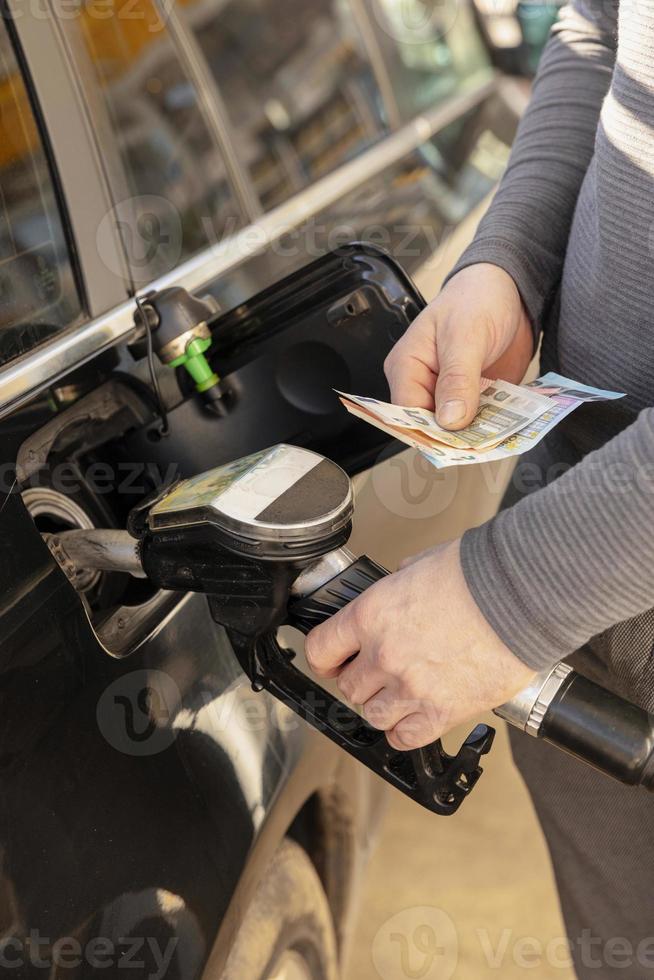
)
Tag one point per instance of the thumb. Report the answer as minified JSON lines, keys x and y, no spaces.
{"x":460,"y":358}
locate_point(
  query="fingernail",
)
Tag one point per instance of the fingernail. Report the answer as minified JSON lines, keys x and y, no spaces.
{"x":451,"y":412}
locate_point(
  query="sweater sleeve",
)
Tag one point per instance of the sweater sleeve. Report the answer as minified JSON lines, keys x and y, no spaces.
{"x":572,"y":559}
{"x":526,"y":228}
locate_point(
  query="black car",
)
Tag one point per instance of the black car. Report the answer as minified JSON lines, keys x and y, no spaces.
{"x":159,"y":817}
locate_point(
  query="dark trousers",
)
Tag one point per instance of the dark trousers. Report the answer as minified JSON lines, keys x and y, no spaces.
{"x":600,"y":834}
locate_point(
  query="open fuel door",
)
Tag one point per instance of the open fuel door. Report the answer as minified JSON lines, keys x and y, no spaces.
{"x":261,"y":523}
{"x":281,"y":355}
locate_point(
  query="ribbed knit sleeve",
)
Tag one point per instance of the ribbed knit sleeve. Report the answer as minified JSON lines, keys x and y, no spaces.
{"x":572,"y":559}
{"x":526,"y":229}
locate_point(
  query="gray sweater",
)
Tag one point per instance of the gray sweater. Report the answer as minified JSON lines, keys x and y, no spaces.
{"x":573,"y":224}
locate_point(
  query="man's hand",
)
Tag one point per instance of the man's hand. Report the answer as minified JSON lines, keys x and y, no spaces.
{"x":425,"y":659}
{"x":476,"y":326}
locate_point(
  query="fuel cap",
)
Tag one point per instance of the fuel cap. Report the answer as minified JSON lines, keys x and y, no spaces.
{"x":278,"y":500}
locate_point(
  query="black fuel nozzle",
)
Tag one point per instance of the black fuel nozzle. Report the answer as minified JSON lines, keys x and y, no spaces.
{"x":430,"y":775}
{"x":178,"y":324}
{"x":263,"y":537}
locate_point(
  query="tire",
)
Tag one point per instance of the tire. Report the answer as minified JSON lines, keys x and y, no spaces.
{"x":287,"y":932}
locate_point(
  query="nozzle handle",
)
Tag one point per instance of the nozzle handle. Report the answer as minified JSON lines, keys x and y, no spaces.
{"x":430,"y":775}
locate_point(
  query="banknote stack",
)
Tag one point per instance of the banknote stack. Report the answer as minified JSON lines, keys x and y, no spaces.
{"x":510,"y":420}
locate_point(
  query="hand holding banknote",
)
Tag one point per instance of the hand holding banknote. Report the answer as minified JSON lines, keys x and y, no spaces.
{"x":476,"y":326}
{"x":510,"y":419}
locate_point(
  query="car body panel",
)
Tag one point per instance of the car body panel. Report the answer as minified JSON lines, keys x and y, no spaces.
{"x":121,"y":814}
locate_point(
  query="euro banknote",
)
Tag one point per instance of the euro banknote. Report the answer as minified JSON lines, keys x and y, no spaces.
{"x":510,"y":420}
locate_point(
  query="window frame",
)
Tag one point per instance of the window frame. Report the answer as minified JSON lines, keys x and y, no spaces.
{"x":209,"y":104}
{"x":376,"y":60}
{"x":57,"y":82}
{"x":69,"y":238}
{"x":75,"y":162}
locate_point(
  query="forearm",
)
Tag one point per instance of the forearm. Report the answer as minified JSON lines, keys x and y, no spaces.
{"x":527,"y":226}
{"x":573,"y":559}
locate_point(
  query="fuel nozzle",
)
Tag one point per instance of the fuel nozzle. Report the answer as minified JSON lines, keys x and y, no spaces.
{"x":181,"y":337}
{"x":243,"y":532}
{"x":263,"y":537}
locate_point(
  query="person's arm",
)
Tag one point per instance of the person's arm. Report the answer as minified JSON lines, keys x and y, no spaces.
{"x":526,"y":228}
{"x":487,"y":318}
{"x":463,"y":627}
{"x":572,"y":559}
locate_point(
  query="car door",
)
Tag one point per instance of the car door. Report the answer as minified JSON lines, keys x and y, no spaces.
{"x":114,"y":842}
{"x":170,"y":203}
{"x":135,"y":791}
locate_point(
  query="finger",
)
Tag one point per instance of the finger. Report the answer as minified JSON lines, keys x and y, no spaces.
{"x":384,"y":711}
{"x":461,"y":356}
{"x":411,"y":382}
{"x":329,"y":645}
{"x":411,"y":366}
{"x":413,"y":732}
{"x":359,"y":680}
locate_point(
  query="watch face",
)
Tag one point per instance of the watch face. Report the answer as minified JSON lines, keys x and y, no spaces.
{"x":283,"y":491}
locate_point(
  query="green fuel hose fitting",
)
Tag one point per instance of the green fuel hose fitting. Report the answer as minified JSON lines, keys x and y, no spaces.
{"x":194,"y":361}
{"x":177,"y":321}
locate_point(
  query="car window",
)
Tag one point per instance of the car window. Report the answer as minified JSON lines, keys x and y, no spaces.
{"x":433,"y":50}
{"x":299,"y":91}
{"x":181,"y":199}
{"x":38,"y":292}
